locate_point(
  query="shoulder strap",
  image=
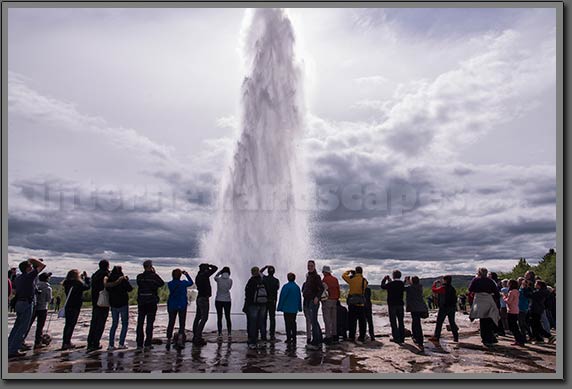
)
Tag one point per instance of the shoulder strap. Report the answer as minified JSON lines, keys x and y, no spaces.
{"x":68,"y":297}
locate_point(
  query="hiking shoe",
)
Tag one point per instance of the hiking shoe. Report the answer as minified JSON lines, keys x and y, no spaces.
{"x":17,"y":354}
{"x":25,"y":347}
{"x":199,"y":342}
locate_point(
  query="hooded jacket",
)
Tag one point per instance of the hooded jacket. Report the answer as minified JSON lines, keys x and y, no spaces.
{"x":224,"y":284}
{"x":44,"y":296}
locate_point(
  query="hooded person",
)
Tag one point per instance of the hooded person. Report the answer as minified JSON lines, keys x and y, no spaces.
{"x":223,"y":300}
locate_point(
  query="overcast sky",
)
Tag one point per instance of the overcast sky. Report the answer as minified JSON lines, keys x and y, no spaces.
{"x":453,"y":108}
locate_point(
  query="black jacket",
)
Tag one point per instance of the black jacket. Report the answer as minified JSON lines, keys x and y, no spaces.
{"x":97,"y":284}
{"x":537,"y":300}
{"x":395,"y":291}
{"x":148,"y":282}
{"x":75,"y":299}
{"x":312,"y":287}
{"x":250,"y":289}
{"x":272,"y":286}
{"x":203,"y":282}
{"x":118,"y":294}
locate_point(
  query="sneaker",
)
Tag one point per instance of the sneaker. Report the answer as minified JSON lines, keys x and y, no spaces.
{"x":252,"y":347}
{"x":219,"y":336}
{"x":122,"y":347}
{"x":68,"y":346}
{"x":360,"y":339}
{"x":39,"y":345}
{"x":552,"y":339}
{"x":488,"y":344}
{"x":313,"y":347}
{"x":110,"y":348}
{"x":25,"y":347}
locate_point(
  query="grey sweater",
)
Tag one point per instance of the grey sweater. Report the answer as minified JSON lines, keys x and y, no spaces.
{"x":44,"y":297}
{"x":224,"y":284}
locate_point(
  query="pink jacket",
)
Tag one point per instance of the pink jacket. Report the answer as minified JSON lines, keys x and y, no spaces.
{"x":512,"y":301}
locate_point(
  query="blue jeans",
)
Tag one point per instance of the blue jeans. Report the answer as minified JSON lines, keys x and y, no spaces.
{"x":255,"y":321}
{"x":115,"y":313}
{"x":24,"y":312}
{"x":544,"y":321}
{"x":312,"y":310}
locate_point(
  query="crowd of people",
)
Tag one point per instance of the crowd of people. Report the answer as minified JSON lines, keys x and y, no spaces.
{"x":525,"y":307}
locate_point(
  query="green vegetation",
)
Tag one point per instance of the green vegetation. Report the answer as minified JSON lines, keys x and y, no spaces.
{"x":546,"y":269}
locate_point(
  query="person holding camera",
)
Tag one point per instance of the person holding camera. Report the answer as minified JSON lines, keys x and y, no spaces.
{"x":177,"y":305}
{"x":43,"y":298}
{"x":415,"y":304}
{"x":25,"y":299}
{"x":395,"y":289}
{"x":148,"y":284}
{"x":203,"y":284}
{"x":272,"y":286}
{"x":356,"y":302}
{"x":312,"y":292}
{"x":74,"y":286}
{"x":118,"y":287}
{"x":447,"y":307}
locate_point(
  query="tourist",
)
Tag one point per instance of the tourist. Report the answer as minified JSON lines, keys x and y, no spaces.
{"x":177,"y":305}
{"x":525,"y":292}
{"x":272,"y":286}
{"x":537,"y":300}
{"x":415,"y":304}
{"x":25,"y":285}
{"x":484,"y":306}
{"x":74,"y":285}
{"x":462,"y":299}
{"x":342,"y":321}
{"x":223,"y":300}
{"x":118,"y":287}
{"x":43,"y":297}
{"x":368,"y":312}
{"x":511,"y":299}
{"x":550,"y":305}
{"x":312,"y":292}
{"x":148,"y":284}
{"x":503,"y":308}
{"x":98,"y":313}
{"x":430,"y":302}
{"x":255,"y":303}
{"x":499,"y":329}
{"x":203,"y":284}
{"x":395,"y":289}
{"x":330,"y":305}
{"x":447,"y":307}
{"x":356,"y":302}
{"x":290,"y":302}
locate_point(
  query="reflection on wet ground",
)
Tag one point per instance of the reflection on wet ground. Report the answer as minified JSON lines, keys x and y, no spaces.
{"x":222,"y":356}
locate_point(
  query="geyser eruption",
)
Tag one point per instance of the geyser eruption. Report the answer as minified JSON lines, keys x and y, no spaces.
{"x":260,"y":218}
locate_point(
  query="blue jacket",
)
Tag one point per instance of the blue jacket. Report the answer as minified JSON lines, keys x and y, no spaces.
{"x":523,"y":299}
{"x":178,"y":293}
{"x":290,"y":300}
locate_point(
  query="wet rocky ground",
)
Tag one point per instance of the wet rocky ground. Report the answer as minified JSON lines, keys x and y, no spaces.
{"x":223,"y":356}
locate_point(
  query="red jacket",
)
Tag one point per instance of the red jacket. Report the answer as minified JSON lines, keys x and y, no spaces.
{"x":333,"y":286}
